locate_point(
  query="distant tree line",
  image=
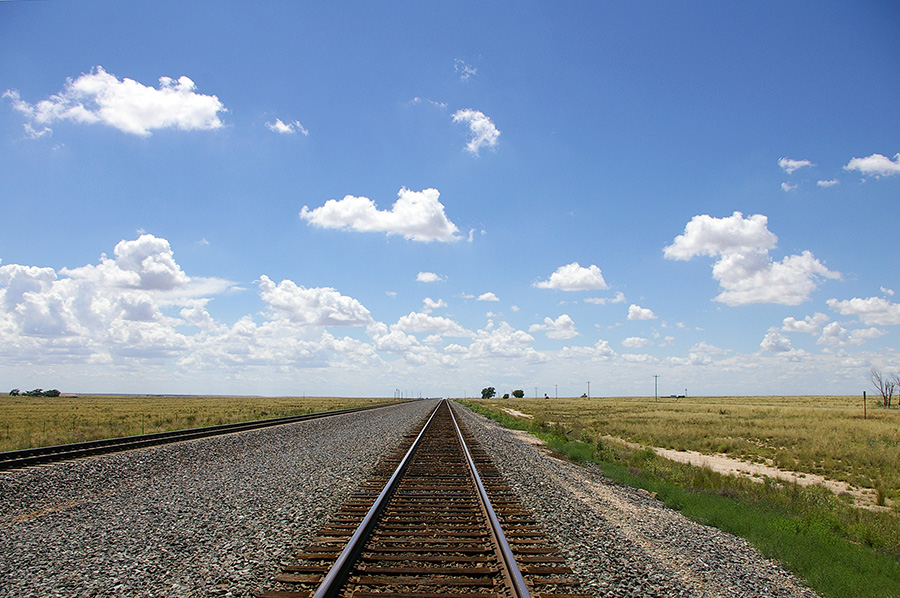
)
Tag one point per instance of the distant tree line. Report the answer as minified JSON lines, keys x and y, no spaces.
{"x":37,"y":392}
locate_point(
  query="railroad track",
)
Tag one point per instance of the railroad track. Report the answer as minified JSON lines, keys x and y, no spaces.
{"x":49,"y":454}
{"x":435,"y":520}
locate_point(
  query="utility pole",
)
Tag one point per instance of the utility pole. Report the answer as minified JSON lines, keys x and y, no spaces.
{"x":656,"y":387}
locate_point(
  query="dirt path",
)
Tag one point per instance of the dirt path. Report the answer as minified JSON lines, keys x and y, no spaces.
{"x":721,"y":463}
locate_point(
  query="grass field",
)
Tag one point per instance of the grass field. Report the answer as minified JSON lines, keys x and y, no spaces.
{"x":840,"y":550}
{"x":821,"y":435}
{"x":27,"y":422}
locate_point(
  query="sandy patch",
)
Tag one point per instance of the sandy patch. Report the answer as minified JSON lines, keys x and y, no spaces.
{"x":515,"y":413}
{"x":721,"y":463}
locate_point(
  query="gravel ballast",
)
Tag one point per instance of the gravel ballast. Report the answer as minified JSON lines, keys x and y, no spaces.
{"x":211,"y":517}
{"x":217,"y":517}
{"x":620,"y":541}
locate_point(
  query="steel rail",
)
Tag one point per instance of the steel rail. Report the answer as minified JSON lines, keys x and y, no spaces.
{"x":49,"y":454}
{"x":334,"y":580}
{"x":336,"y":577}
{"x":520,"y":590}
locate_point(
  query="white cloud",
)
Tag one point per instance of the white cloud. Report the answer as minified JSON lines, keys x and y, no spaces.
{"x":705,"y":235}
{"x":788,"y":187}
{"x":636,"y":312}
{"x":775,"y":342}
{"x":429,"y":305}
{"x":635,"y":342}
{"x":417,"y":215}
{"x":600,"y":351}
{"x":835,"y":335}
{"x":289,"y":128}
{"x":789,"y":166}
{"x":619,"y":298}
{"x":810,"y":324}
{"x":875,"y":165}
{"x":708,"y":349}
{"x":429,"y":277}
{"x":421,"y":322}
{"x":745,"y":271}
{"x":465,"y":71}
{"x":121,"y":308}
{"x":488,"y":297}
{"x":418,"y":100}
{"x":146,"y":263}
{"x":100,"y":97}
{"x":872,"y":311}
{"x":828,"y":183}
{"x":573,"y":277}
{"x":320,"y":306}
{"x":562,"y":327}
{"x":482,"y":132}
{"x":887,"y":291}
{"x":503,"y":341}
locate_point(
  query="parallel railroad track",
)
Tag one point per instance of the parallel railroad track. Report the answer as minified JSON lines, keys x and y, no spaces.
{"x":49,"y":454}
{"x":435,"y":520}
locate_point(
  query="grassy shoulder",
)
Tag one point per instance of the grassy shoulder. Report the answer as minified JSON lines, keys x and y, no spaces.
{"x":27,"y":422}
{"x":840,"y":551}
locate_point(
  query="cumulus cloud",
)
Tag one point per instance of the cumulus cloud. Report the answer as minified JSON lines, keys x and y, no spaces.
{"x":775,"y":342}
{"x":503,"y":341}
{"x":600,"y":351}
{"x":290,"y":128}
{"x":429,"y":305}
{"x":429,"y":277}
{"x":121,"y":307}
{"x":810,"y":324}
{"x":788,"y":187}
{"x":129,"y":106}
{"x":488,"y":297}
{"x":618,"y":298}
{"x":319,"y":306}
{"x":573,"y":277}
{"x":146,"y":263}
{"x":828,"y":183}
{"x":636,"y":312}
{"x":872,"y":311}
{"x":562,"y":327}
{"x":789,"y":166}
{"x":875,"y":165}
{"x":482,"y":132}
{"x":417,"y":215}
{"x":425,"y":323}
{"x":636,"y":342}
{"x":745,"y":271}
{"x":835,"y":335}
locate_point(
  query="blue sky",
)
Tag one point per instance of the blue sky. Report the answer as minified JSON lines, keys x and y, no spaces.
{"x":358,"y":198}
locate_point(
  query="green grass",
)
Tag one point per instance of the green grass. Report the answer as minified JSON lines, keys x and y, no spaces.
{"x":839,"y":550}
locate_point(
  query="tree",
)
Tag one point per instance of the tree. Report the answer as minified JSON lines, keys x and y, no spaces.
{"x":885,"y":384}
{"x":519,"y":394}
{"x":15,"y":392}
{"x":52,"y":393}
{"x":488,"y":393}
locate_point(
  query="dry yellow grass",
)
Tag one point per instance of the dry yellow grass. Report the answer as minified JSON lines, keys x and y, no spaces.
{"x":821,"y":435}
{"x":27,"y":422}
